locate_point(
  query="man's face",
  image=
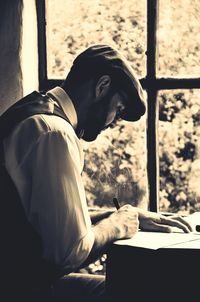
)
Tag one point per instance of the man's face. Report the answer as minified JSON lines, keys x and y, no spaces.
{"x":101,"y":115}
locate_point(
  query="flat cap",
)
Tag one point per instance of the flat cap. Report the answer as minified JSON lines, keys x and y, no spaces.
{"x":105,"y":58}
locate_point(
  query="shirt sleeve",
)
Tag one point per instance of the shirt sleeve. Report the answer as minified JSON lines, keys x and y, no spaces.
{"x":57,"y":205}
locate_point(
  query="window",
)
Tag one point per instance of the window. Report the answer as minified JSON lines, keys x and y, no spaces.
{"x":178,"y":47}
{"x":161,"y":41}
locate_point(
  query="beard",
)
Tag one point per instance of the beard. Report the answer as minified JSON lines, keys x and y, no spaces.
{"x":93,"y":126}
{"x":96,"y":120}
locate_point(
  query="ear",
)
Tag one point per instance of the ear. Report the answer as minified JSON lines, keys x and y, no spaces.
{"x":103,"y":85}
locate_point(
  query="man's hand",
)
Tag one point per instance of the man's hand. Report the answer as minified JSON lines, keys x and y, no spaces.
{"x":125,"y":221}
{"x":120,"y":224}
{"x":150,"y":221}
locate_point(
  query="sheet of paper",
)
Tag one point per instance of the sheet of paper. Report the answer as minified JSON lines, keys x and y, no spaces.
{"x":194,"y":244}
{"x":156,"y":240}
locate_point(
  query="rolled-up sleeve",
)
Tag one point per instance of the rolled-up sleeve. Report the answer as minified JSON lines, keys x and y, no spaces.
{"x":53,"y":195}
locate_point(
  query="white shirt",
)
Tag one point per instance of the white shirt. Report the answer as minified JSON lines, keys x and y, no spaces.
{"x":45,"y":159}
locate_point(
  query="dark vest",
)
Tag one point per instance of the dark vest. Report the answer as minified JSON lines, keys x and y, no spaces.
{"x":21,"y":246}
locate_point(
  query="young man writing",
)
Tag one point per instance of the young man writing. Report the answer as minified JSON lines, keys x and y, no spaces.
{"x":49,"y":233}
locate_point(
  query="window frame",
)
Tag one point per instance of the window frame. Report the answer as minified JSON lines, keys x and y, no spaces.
{"x":151,"y":83}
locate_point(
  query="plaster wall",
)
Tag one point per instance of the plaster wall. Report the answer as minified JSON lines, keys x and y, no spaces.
{"x":18,"y":50}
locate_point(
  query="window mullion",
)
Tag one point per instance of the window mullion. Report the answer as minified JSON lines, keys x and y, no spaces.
{"x":152,"y":154}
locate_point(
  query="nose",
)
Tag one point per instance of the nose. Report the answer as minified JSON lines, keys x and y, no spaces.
{"x":141,"y":108}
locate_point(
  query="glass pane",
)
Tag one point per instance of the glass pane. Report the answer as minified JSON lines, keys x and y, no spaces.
{"x":179,"y":38}
{"x":115,"y":165}
{"x":74,"y":25}
{"x":179,"y":150}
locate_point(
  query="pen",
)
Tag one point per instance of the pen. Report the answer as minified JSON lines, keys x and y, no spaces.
{"x":116,"y":203}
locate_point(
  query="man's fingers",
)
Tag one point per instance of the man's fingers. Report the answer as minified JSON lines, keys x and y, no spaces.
{"x":156,"y":227}
{"x":182,"y":220}
{"x":175,"y":223}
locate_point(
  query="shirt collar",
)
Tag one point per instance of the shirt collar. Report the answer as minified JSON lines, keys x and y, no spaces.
{"x":60,"y":96}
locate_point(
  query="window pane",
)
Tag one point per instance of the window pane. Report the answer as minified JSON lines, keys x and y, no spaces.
{"x":179,"y":150}
{"x":179,"y":38}
{"x":115,"y":165}
{"x":74,"y":25}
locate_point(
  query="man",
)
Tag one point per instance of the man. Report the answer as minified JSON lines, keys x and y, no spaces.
{"x":48,"y":229}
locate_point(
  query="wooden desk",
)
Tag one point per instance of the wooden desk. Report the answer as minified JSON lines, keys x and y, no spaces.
{"x":165,"y":274}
